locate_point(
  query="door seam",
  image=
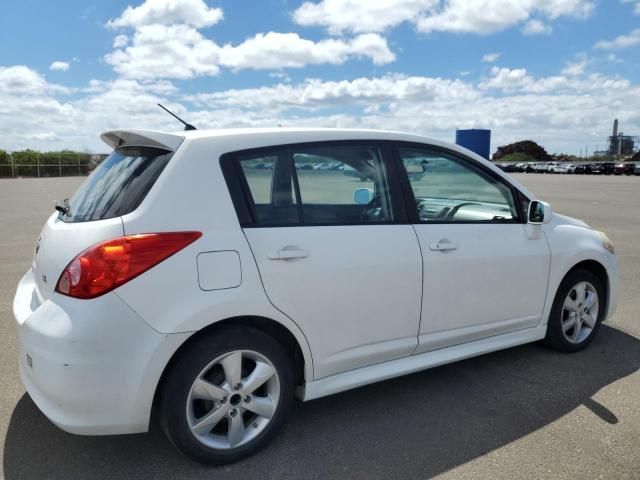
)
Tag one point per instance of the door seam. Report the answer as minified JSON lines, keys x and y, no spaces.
{"x":421,"y":290}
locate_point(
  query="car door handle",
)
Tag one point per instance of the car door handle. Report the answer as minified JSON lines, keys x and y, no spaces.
{"x":288,"y":253}
{"x":443,"y":245}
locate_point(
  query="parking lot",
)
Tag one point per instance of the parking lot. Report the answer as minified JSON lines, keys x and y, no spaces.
{"x":526,"y":412}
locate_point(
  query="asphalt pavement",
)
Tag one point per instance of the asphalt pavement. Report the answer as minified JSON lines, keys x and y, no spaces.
{"x":526,"y":412}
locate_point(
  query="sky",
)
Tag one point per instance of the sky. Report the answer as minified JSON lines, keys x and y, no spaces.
{"x":554,"y":71}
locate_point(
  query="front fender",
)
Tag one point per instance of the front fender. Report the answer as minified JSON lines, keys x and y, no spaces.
{"x":571,"y":244}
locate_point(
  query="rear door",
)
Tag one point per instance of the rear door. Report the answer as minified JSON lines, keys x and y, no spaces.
{"x":329,"y":235}
{"x":116,"y":187}
{"x":483,"y":275}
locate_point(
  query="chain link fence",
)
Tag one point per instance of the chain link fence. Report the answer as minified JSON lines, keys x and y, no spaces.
{"x":29,"y":163}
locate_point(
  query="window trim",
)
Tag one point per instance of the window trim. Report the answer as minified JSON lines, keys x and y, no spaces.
{"x":234,"y":178}
{"x":243,"y":199}
{"x":409,"y":196}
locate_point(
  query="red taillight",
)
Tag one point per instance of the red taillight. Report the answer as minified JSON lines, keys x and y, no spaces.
{"x":107,"y":265}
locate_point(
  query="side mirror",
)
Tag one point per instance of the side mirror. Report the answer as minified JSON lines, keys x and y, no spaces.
{"x":362,"y":196}
{"x":539,"y":213}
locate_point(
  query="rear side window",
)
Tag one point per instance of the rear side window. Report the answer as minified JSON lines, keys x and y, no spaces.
{"x":342,"y":185}
{"x":318,"y":184}
{"x":270,"y":186}
{"x":118,"y":185}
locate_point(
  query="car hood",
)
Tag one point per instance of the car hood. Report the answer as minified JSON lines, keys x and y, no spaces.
{"x":565,"y":220}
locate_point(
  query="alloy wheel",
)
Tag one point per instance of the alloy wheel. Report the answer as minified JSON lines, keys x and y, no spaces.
{"x":233,"y":399}
{"x":580,"y":312}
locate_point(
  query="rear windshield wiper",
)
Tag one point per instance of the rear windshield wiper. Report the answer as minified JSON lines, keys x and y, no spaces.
{"x":63,"y":206}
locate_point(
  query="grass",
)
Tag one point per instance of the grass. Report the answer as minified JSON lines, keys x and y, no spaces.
{"x":517,"y":157}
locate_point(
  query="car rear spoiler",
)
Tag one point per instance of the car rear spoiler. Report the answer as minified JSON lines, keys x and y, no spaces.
{"x":142,"y":138}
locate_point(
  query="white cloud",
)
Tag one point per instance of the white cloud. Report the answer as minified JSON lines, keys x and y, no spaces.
{"x":168,"y":12}
{"x":166,"y":51}
{"x":490,"y":57}
{"x":523,"y":107}
{"x":34,"y":115}
{"x":59,"y":66}
{"x":536,"y":27}
{"x":519,"y":80}
{"x":167,"y":43}
{"x":575,"y":68}
{"x":314,"y":93}
{"x":507,"y":78}
{"x":481,"y":16}
{"x":622,"y":41}
{"x":280,"y":76}
{"x":512,"y":102}
{"x":636,"y":5}
{"x":488,"y":16}
{"x":179,"y":51}
{"x":360,"y":16}
{"x":22,"y":80}
{"x":120,"y":41}
{"x":287,"y":50}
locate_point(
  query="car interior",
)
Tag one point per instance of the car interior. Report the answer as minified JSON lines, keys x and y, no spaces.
{"x":327,"y":179}
{"x":348,"y":185}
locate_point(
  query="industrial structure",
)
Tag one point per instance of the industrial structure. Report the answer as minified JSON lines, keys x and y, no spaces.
{"x":620,"y":144}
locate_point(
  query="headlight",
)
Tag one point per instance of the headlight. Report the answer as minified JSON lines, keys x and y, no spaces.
{"x":607,"y":244}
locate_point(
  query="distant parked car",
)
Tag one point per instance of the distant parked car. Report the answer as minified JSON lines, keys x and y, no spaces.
{"x":594,"y":169}
{"x":625,"y":168}
{"x":608,"y":168}
{"x":636,"y":169}
{"x":551,"y":167}
{"x":508,"y":167}
{"x":352,"y":172}
{"x":522,"y":166}
{"x":540,"y":167}
{"x":558,"y":168}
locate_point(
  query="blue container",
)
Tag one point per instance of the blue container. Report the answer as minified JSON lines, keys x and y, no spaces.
{"x":476,"y":140}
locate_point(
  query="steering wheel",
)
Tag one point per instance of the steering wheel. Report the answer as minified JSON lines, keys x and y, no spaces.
{"x":451,"y":213}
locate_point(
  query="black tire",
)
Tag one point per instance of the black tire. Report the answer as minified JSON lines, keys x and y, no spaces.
{"x":175,"y":391}
{"x":555,"y":338}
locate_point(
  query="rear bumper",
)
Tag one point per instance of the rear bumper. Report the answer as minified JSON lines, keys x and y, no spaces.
{"x":91,"y":366}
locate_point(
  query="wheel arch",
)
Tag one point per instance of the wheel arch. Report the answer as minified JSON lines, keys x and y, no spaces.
{"x":599,"y":270}
{"x":271,"y":327}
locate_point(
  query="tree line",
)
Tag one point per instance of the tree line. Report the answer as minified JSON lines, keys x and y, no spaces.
{"x":56,"y":163}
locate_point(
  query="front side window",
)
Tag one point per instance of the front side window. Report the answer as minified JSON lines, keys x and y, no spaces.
{"x":320,"y":185}
{"x":446,"y":189}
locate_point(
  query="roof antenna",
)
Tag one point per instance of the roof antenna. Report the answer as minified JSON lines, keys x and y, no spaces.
{"x":187,"y":126}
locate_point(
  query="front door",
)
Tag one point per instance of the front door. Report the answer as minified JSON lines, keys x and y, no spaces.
{"x":332,"y":253}
{"x":483,"y":275}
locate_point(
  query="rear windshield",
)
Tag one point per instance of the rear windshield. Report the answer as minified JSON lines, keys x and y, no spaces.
{"x":118,"y":185}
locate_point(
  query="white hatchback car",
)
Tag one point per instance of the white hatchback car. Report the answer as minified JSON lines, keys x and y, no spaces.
{"x":214,"y":275}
